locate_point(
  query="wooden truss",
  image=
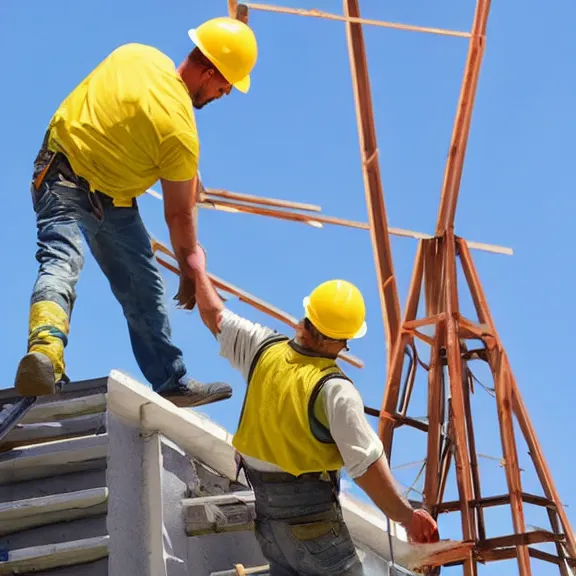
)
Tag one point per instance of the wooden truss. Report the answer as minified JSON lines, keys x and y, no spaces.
{"x":449,"y":425}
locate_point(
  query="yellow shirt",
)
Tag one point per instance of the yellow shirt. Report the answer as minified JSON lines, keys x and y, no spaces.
{"x":276,"y":421}
{"x":127,"y":124}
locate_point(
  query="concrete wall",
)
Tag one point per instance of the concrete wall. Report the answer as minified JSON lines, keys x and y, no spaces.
{"x":126,"y":519}
{"x":128,"y":523}
{"x":199,"y":555}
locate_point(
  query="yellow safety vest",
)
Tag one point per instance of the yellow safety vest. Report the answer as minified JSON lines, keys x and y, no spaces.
{"x":282,"y":421}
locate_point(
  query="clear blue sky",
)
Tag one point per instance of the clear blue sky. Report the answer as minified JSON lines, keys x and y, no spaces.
{"x":294,"y":137}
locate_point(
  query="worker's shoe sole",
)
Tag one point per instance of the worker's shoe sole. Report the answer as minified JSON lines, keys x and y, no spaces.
{"x":197,"y":394}
{"x":35,"y":375}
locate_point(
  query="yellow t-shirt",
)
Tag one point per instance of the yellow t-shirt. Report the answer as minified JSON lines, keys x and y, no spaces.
{"x":127,"y":124}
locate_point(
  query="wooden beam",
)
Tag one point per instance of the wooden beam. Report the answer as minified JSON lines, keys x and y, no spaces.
{"x":223,"y":513}
{"x":50,"y":556}
{"x":33,"y":512}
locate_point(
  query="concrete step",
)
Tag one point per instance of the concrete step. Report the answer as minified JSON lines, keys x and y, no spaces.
{"x":38,"y":558}
{"x":57,"y":533}
{"x":72,"y":482}
{"x":40,"y":432}
{"x":34,"y":512}
{"x":56,"y":409}
{"x":53,"y":459}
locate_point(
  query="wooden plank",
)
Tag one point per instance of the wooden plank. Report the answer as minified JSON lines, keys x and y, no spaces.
{"x":74,"y":389}
{"x":60,"y":409}
{"x":217,"y":514}
{"x":51,"y":458}
{"x":28,"y":434}
{"x":51,"y":556}
{"x":33,"y":512}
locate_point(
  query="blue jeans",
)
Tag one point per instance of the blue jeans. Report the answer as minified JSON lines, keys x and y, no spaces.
{"x":299,"y":526}
{"x":121,"y":245}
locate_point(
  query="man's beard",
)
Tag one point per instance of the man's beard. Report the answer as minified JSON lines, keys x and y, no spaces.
{"x":197,"y":101}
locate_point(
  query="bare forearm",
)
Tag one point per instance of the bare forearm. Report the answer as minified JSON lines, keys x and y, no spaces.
{"x":380,"y":486}
{"x":183,"y":240}
{"x":210,"y":305}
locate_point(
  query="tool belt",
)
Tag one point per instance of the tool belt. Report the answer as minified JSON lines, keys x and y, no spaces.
{"x":50,"y":165}
{"x":311,"y":497}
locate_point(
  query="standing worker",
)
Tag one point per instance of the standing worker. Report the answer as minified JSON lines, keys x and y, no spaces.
{"x":301,"y":422}
{"x":129,"y":123}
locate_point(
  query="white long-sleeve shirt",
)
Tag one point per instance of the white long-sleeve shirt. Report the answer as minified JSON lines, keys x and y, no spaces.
{"x":357,"y":442}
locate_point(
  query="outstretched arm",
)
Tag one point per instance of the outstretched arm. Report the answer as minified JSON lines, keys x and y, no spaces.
{"x":179,"y":213}
{"x":365,"y":461}
{"x":239,"y":338}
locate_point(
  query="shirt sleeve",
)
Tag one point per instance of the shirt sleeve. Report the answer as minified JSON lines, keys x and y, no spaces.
{"x":357,"y":441}
{"x":178,"y":158}
{"x":240,"y":339}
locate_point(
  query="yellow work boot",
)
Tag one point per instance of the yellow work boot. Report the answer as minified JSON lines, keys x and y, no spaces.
{"x":43,"y":366}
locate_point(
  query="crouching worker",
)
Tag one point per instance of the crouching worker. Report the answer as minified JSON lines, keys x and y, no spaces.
{"x":302,"y":421}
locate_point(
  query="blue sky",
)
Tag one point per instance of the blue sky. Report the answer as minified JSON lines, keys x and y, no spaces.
{"x":294,"y":137}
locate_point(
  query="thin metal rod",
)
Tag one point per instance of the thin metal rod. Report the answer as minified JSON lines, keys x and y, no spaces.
{"x":474,"y":468}
{"x":392,"y":388}
{"x":356,"y":20}
{"x":374,"y":191}
{"x":459,"y":140}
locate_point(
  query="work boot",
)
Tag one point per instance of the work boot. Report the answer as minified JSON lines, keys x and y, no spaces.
{"x":43,"y":366}
{"x":190,"y":393}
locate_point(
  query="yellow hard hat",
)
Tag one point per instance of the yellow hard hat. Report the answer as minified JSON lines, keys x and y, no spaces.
{"x":231,"y":46}
{"x":336,"y":308}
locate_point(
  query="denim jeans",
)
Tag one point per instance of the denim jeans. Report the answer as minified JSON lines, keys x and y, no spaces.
{"x":300,"y":528}
{"x":121,"y":245}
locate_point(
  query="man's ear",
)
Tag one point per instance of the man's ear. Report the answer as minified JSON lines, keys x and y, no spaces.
{"x":207,"y":74}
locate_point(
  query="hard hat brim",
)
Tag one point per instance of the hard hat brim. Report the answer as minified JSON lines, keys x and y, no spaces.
{"x":359,"y":334}
{"x":242,"y":85}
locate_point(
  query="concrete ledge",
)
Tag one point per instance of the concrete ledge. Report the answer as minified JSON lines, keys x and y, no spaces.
{"x":38,"y":558}
{"x":196,"y":434}
{"x":52,"y":458}
{"x":33,"y":512}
